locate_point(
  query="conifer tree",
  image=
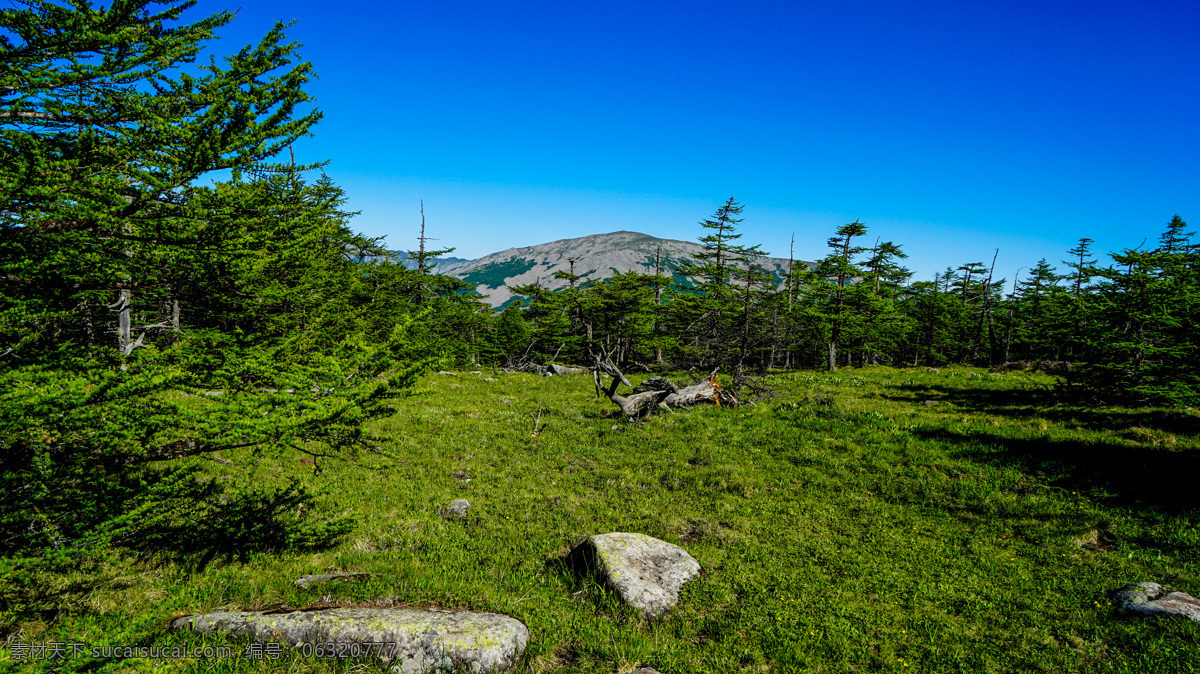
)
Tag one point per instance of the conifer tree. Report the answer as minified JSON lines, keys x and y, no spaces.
{"x":1038,"y":307}
{"x":831,"y":278}
{"x":104,"y":135}
{"x":104,"y":132}
{"x":424,"y":259}
{"x":708,"y":321}
{"x":1144,"y":346}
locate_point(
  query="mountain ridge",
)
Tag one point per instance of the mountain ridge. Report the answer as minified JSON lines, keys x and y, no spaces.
{"x":596,"y":257}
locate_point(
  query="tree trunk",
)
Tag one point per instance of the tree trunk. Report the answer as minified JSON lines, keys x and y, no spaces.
{"x":124,"y":310}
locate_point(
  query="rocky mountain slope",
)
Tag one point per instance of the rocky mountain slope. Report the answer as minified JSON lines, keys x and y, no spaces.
{"x":596,"y":257}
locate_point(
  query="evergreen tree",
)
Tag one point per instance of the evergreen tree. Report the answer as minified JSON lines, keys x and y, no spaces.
{"x":1038,"y":315}
{"x":509,"y":339}
{"x":626,"y":315}
{"x":708,"y":321}
{"x":936,"y":316}
{"x":424,"y":259}
{"x":1082,"y":269}
{"x":829,"y":283}
{"x":875,"y":299}
{"x":103,"y":137}
{"x":1144,"y":347}
{"x":243,"y":288}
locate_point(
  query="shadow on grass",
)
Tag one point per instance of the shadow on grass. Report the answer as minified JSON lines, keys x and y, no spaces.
{"x":1049,"y":405}
{"x":1143,"y":477}
{"x":240,"y":522}
{"x":219,"y":522}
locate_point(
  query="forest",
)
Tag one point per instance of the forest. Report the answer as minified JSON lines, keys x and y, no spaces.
{"x":175,"y":289}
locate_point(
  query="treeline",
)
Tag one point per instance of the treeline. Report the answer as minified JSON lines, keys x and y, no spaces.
{"x":1122,"y":331}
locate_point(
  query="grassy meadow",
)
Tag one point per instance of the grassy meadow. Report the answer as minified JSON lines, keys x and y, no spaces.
{"x":863,"y":520}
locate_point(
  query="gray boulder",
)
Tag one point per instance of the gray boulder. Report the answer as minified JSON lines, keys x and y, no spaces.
{"x":563,"y":370}
{"x":1142,"y":598}
{"x":645,"y":572}
{"x":458,"y":508}
{"x":415,"y":640}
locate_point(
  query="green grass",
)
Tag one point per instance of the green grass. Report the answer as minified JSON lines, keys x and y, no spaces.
{"x":845,"y":525}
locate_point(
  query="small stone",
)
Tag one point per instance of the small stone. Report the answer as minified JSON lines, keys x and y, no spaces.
{"x":306,"y":581}
{"x":1097,"y":540}
{"x":447,"y":374}
{"x":491,"y":379}
{"x":1142,"y":598}
{"x":458,"y":508}
{"x":645,"y":670}
{"x":646,"y":573}
{"x":930,"y":402}
{"x":416,"y":640}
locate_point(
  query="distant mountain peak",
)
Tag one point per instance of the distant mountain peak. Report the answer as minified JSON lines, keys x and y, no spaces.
{"x":598,"y":256}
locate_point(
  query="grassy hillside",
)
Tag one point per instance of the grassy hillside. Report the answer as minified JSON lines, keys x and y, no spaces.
{"x":868,"y":520}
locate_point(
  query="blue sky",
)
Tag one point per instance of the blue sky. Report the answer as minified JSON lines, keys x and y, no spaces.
{"x":951,"y":128}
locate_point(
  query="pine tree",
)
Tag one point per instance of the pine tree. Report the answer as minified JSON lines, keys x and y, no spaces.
{"x":1082,"y":270}
{"x":935,"y":316}
{"x":709,"y":325}
{"x":883,"y":326}
{"x":831,"y":278}
{"x":103,"y":139}
{"x":424,"y":259}
{"x":1144,"y":347}
{"x":243,"y":287}
{"x":1038,"y":315}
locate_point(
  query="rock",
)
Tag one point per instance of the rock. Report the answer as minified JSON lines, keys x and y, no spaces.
{"x":645,"y":572}
{"x":1097,"y":540}
{"x":1012,"y":365}
{"x":562,"y":370}
{"x":416,"y":640}
{"x":490,"y":379}
{"x":645,"y":670}
{"x":656,"y":383}
{"x":459,"y":507}
{"x":930,"y":402}
{"x":447,"y":374}
{"x":1141,"y":598}
{"x":306,"y":581}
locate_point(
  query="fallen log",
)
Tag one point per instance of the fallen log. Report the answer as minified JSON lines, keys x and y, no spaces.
{"x":658,"y":392}
{"x":707,"y":391}
{"x":639,"y":404}
{"x":544,"y":370}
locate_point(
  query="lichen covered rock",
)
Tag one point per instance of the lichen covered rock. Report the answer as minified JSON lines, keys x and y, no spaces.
{"x":414,"y":640}
{"x":457,"y":509}
{"x":645,"y":572}
{"x":1143,"y":598}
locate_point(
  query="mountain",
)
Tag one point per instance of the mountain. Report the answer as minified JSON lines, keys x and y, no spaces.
{"x":596,"y":257}
{"x":440,"y":265}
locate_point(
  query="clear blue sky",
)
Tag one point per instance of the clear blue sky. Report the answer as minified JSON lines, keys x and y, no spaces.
{"x":951,"y":128}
